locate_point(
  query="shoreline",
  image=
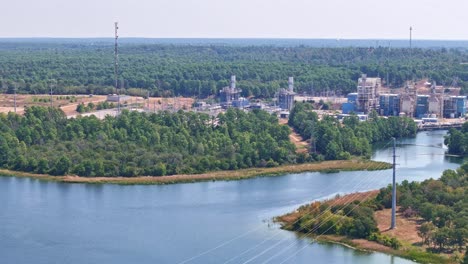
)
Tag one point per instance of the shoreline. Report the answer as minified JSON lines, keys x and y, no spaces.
{"x":407,"y":251}
{"x":412,"y":253}
{"x":323,"y":166}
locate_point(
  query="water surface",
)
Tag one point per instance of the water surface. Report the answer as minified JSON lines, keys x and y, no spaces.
{"x":208,"y":222}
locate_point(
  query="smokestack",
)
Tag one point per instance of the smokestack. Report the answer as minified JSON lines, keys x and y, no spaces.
{"x":363,"y":80}
{"x":291,"y":84}
{"x":233,"y":82}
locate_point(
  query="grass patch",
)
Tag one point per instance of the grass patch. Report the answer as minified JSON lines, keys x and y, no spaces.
{"x":424,"y":257}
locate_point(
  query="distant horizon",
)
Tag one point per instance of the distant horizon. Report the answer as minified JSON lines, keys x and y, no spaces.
{"x":253,"y":38}
{"x":274,"y":42}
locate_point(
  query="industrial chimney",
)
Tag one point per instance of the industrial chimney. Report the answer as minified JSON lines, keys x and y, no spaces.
{"x":291,"y":84}
{"x":233,"y":82}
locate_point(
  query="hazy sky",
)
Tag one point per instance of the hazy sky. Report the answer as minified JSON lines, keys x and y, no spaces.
{"x":431,"y":19}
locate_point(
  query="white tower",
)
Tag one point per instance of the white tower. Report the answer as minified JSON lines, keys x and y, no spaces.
{"x":233,"y":82}
{"x":291,"y":84}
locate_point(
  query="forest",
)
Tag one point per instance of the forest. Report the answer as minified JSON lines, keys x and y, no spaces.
{"x":335,"y":140}
{"x":44,"y":141}
{"x":201,"y":70}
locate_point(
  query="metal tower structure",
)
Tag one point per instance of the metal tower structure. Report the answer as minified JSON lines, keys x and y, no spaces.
{"x":410,"y":37}
{"x":116,"y":64}
{"x":411,"y":51}
{"x":15,"y":97}
{"x":393,"y":225}
{"x":51,"y":98}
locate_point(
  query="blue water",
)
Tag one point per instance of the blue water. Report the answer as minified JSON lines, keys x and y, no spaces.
{"x":210,"y":222}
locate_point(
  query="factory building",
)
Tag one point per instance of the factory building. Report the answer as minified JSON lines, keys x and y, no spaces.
{"x":116,"y":98}
{"x":230,"y":95}
{"x":367,"y":94}
{"x":286,"y":96}
{"x":408,"y":101}
{"x":422,"y":106}
{"x":433,"y":104}
{"x":389,"y":105}
{"x":350,"y":106}
{"x":352,"y":97}
{"x":454,"y":106}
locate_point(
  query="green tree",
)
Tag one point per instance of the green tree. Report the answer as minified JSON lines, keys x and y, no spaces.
{"x":62,"y":166}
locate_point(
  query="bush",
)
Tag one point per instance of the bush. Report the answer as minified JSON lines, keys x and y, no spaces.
{"x":385,"y":240}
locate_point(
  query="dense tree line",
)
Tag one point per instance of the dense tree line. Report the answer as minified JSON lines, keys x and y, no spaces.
{"x":339,"y":140}
{"x":442,"y":204}
{"x":45,"y":141}
{"x":323,"y":218}
{"x":457,"y":140}
{"x":201,"y":70}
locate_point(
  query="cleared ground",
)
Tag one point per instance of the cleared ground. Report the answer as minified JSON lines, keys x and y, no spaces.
{"x":68,"y":103}
{"x":295,"y":138}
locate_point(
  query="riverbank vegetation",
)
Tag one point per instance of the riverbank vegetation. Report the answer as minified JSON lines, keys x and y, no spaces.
{"x":133,"y":144}
{"x":457,"y":141}
{"x":44,"y":141}
{"x":439,"y":207}
{"x":323,"y":166}
{"x":84,"y":67}
{"x":337,"y":140}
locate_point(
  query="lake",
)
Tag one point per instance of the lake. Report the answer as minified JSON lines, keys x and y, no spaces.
{"x":207,"y":222}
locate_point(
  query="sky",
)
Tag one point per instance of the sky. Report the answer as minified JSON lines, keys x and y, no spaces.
{"x":335,"y":19}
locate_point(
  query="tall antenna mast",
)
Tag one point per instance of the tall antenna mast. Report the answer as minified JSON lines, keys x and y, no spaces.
{"x":393,"y":225}
{"x":410,"y":37}
{"x":411,"y":50}
{"x":116,"y":65}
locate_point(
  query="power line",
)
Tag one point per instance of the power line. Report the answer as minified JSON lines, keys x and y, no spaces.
{"x":366,"y":179}
{"x":314,"y":229}
{"x":243,"y":235}
{"x":251,"y":231}
{"x":342,"y":217}
{"x":348,"y":202}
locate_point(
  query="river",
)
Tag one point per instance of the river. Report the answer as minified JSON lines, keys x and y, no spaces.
{"x":208,"y":222}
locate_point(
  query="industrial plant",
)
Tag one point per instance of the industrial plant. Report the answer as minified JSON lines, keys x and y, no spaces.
{"x":420,"y":100}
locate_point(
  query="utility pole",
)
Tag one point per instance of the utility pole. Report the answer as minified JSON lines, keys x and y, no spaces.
{"x":393,"y":226}
{"x":51,"y":102}
{"x":148,"y":100}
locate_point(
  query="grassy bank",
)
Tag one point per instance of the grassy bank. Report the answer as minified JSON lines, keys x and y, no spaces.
{"x":408,"y":251}
{"x":325,"y":166}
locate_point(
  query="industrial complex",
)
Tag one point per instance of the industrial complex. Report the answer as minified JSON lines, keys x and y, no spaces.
{"x":420,"y":100}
